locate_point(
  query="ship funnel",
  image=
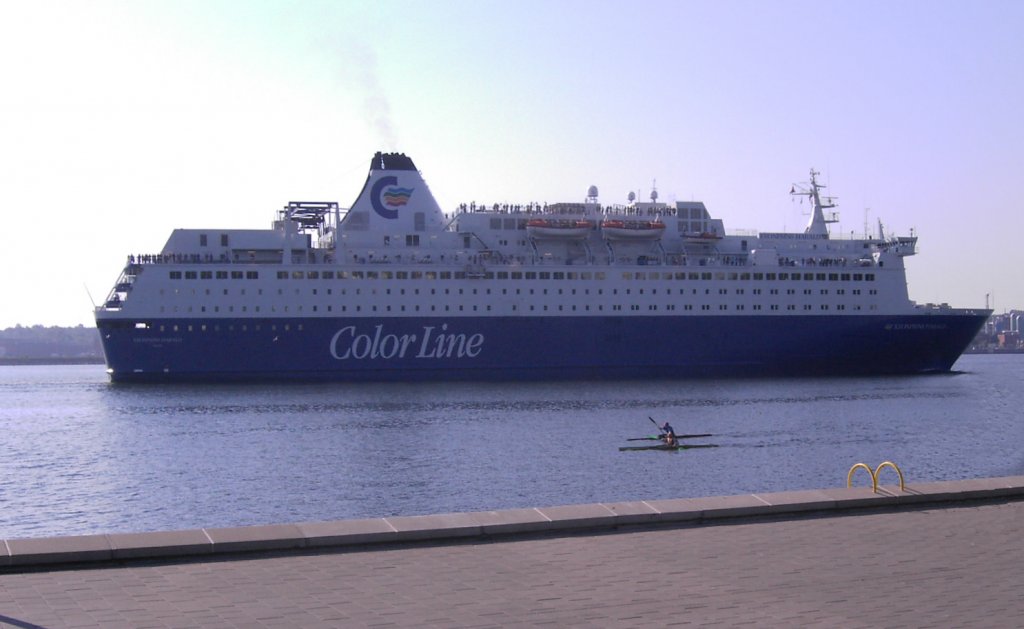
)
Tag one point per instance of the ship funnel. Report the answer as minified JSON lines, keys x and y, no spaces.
{"x":395,"y":200}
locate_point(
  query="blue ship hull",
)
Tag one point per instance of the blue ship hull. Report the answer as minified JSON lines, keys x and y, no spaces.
{"x":531,"y":348}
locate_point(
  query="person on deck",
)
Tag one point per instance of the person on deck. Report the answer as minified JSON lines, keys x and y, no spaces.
{"x":668,"y":434}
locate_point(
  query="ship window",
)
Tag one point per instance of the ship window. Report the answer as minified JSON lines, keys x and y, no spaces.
{"x":517,"y":275}
{"x":783,"y":276}
{"x":720,"y":275}
{"x":282,"y":275}
{"x":544,"y":275}
{"x":770,"y":276}
{"x":856,"y":277}
{"x":190,"y":275}
{"x":531,"y":275}
{"x":845,"y":277}
{"x":252,"y":275}
{"x":328,"y":275}
{"x":745,"y":276}
{"x":222,"y":275}
{"x":705,"y":276}
{"x":236,"y":275}
{"x":202,"y":240}
{"x":313,"y":275}
{"x":833,"y":277}
{"x":808,"y":277}
{"x":869,"y":277}
{"x":734,"y":276}
{"x":419,"y":220}
{"x":223,"y":240}
{"x":175,"y":275}
{"x":820,"y":276}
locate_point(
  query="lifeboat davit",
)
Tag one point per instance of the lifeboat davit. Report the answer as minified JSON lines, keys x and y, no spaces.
{"x":558,"y":228}
{"x":617,"y":229}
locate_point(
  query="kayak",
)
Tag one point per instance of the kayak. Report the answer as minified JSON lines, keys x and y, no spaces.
{"x":659,"y":437}
{"x":663,"y":446}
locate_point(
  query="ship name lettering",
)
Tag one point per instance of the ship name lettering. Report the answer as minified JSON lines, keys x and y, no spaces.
{"x":377,"y":345}
{"x":348,"y":344}
{"x":448,"y":345}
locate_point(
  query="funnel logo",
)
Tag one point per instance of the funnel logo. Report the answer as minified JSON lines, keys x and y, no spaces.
{"x":385,"y":200}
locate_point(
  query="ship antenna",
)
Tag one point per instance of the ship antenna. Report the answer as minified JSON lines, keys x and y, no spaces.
{"x":86,"y":287}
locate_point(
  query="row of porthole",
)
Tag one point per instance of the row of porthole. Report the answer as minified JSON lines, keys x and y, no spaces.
{"x":514,"y":308}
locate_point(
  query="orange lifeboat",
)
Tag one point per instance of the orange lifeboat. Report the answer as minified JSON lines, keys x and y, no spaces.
{"x":619,"y":229}
{"x":701,"y":237}
{"x":559,"y":228}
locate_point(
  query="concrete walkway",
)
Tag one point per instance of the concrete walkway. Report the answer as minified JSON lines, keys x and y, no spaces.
{"x":949,"y":554}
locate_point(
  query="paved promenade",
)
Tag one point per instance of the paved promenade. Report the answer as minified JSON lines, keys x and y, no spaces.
{"x":953,"y":561}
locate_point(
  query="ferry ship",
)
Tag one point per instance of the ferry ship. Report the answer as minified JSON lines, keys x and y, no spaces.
{"x":395,"y":289}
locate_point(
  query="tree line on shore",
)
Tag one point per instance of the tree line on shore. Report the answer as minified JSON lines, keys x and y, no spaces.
{"x":40,"y":344}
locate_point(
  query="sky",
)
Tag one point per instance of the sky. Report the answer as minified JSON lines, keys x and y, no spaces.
{"x":120,"y":121}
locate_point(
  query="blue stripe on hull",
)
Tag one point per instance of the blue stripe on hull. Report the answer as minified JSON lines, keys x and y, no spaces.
{"x":512,"y":348}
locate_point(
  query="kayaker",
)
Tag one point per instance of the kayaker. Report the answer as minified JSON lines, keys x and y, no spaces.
{"x":668,"y":434}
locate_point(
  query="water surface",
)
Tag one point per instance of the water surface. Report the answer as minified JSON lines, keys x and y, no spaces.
{"x":81,"y":455}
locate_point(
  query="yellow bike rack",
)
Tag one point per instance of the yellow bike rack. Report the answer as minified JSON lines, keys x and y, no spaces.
{"x":874,"y":474}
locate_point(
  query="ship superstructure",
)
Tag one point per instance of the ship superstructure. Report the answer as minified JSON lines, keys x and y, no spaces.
{"x":392,"y":288}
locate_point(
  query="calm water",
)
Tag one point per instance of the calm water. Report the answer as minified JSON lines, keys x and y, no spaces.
{"x":84,"y":456}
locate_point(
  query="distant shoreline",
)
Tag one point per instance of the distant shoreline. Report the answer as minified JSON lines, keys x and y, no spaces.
{"x":53,"y":360}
